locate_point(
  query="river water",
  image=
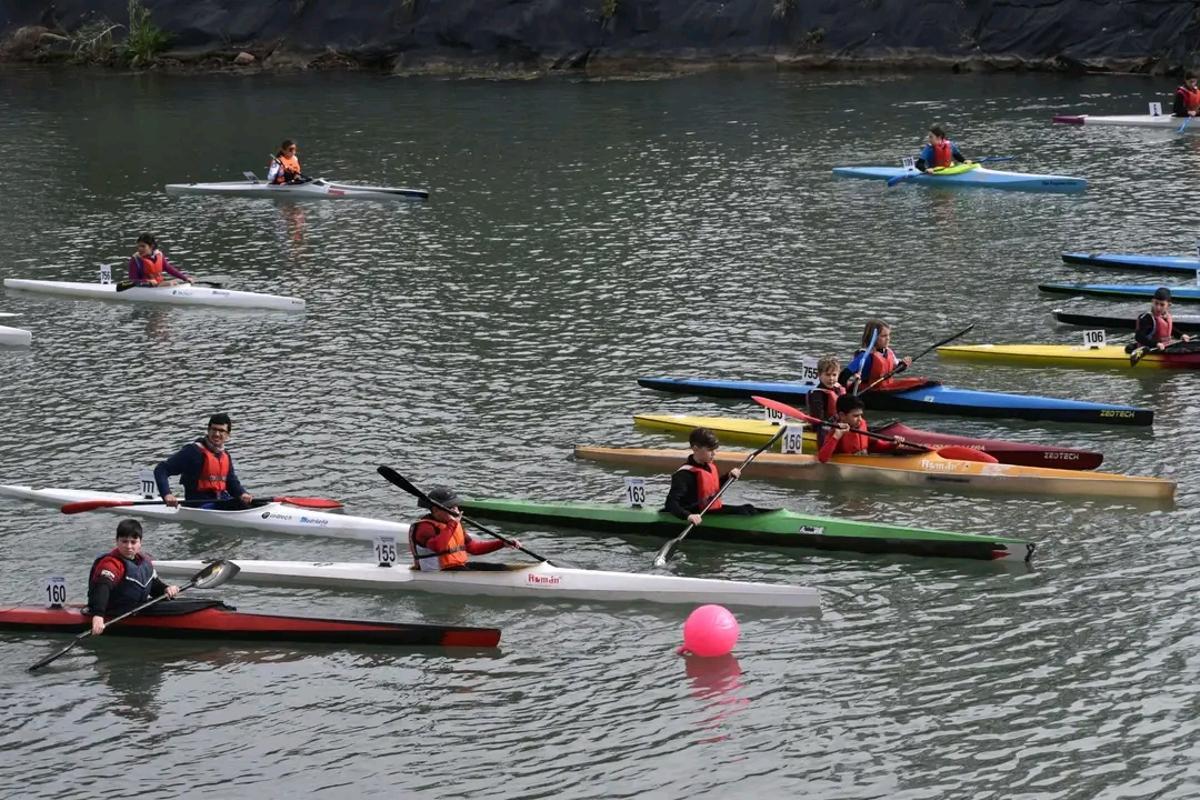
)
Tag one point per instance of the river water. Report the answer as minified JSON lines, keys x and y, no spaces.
{"x":580,"y":234}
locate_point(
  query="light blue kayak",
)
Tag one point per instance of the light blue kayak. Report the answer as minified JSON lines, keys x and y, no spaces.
{"x":1121,"y":290}
{"x":979,"y":177}
{"x":1132,"y":261}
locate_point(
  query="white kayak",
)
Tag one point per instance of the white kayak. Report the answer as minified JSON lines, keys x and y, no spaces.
{"x":269,"y":518}
{"x":319,"y":189}
{"x":541,"y":581}
{"x":1164,"y":121}
{"x":181,"y":294}
{"x":15,"y":337}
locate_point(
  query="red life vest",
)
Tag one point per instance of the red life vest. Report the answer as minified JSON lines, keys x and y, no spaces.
{"x":943,"y":153}
{"x":708,"y":483}
{"x":881,"y":364}
{"x":152,"y":266}
{"x":1191,"y":97}
{"x":822,"y":401}
{"x":429,"y":560}
{"x":213,"y":471}
{"x":853,"y":442}
{"x":1162,"y":327}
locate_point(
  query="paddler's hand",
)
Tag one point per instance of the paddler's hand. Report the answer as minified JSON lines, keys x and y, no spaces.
{"x":246,"y":499}
{"x":695,"y":519}
{"x":513,"y":543}
{"x":839,"y":429}
{"x":899,"y":440}
{"x":171,"y":500}
{"x":1185,"y":338}
{"x":97,"y":625}
{"x":171,"y":592}
{"x":736,"y":472}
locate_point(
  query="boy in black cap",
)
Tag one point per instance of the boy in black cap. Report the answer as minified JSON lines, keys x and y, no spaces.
{"x":437,"y":540}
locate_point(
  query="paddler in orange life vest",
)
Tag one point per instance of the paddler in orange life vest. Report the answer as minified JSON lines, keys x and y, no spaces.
{"x":695,"y":483}
{"x":845,"y":439}
{"x":285,"y":165}
{"x":822,"y":398}
{"x":1187,"y":98}
{"x":123,"y":578}
{"x":1154,"y":329}
{"x":204,"y":467}
{"x":938,"y":151}
{"x":148,"y":265}
{"x":438,"y":541}
{"x":880,"y":361}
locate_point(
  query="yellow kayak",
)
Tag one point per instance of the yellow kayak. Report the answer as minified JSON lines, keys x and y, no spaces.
{"x":1061,"y":355}
{"x":919,"y":469}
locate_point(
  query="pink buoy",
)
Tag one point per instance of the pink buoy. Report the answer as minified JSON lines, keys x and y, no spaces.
{"x":710,"y":631}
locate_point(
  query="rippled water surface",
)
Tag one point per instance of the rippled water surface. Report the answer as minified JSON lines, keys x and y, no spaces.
{"x":579,"y":235}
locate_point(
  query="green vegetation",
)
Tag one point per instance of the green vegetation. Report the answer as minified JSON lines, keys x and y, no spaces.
{"x":146,"y":40}
{"x":92,"y":42}
{"x":608,"y":9}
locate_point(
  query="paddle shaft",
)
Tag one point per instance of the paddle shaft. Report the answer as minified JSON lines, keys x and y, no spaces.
{"x":664,"y":552}
{"x":902,"y":366}
{"x":811,"y":420}
{"x":303,"y":502}
{"x":862,"y":360}
{"x":197,"y":578}
{"x":396,"y":479}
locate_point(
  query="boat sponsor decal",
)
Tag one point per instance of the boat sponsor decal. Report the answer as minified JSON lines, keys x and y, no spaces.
{"x":277,"y":515}
{"x":543,"y":580}
{"x":1055,"y":456}
{"x":944,"y":465}
{"x":810,"y":529}
{"x":336,"y":192}
{"x":314,"y":521}
{"x":1117,"y":413}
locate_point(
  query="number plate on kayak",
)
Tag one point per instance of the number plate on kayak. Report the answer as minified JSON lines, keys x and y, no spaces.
{"x":385,"y":550}
{"x":56,"y":591}
{"x":1093,"y":340}
{"x":635,"y":491}
{"x":793,"y":439}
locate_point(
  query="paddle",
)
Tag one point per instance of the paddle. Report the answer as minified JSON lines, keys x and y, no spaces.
{"x":396,"y":479}
{"x":950,"y":451}
{"x":664,"y":552}
{"x":212,"y":575}
{"x":855,"y":367}
{"x":124,"y":286}
{"x":892,"y":181}
{"x":1183,"y":127}
{"x":304,"y":502}
{"x":902,"y":366}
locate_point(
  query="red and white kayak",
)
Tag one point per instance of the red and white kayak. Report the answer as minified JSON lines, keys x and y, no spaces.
{"x":209,"y":619}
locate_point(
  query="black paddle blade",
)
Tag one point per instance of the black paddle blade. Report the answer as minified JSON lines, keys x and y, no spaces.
{"x":396,"y":479}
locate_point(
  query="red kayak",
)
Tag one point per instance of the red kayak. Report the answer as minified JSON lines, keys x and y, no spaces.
{"x":1006,"y":452}
{"x":210,"y":619}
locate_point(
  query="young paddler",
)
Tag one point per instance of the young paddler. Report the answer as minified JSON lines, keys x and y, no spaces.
{"x":846,"y":437}
{"x":438,"y":541}
{"x":822,"y":399}
{"x":698,"y":480}
{"x":874,"y":359}
{"x":1154,"y":329}
{"x":1187,"y":97}
{"x":204,"y":467}
{"x":148,"y":265}
{"x":285,"y":165}
{"x":123,"y":578}
{"x":938,"y":151}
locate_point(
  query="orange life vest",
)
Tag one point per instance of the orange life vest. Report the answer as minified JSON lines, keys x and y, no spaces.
{"x":708,"y":483}
{"x":428,"y":560}
{"x":822,"y":401}
{"x":1191,"y":97}
{"x":289,"y":167}
{"x":1162,"y":327}
{"x":943,"y":153}
{"x":852,"y":441}
{"x":152,"y":266}
{"x":213,"y":471}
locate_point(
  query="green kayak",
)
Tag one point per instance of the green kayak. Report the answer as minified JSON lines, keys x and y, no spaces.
{"x":775,"y":528}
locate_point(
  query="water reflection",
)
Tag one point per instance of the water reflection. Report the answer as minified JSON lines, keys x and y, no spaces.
{"x":717,"y":682}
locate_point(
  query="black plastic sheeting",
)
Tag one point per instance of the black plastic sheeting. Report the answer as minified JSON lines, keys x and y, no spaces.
{"x":546,"y":31}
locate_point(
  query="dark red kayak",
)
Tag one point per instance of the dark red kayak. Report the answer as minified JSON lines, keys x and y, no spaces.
{"x":214,"y":620}
{"x":1006,"y":452}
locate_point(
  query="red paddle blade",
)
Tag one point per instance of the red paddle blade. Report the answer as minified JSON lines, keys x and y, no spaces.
{"x":92,"y":505}
{"x":785,"y":409}
{"x":966,"y":454}
{"x":309,"y":502}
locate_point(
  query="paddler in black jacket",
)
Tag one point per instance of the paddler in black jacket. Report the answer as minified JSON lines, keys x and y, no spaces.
{"x":123,"y":578}
{"x":695,"y":483}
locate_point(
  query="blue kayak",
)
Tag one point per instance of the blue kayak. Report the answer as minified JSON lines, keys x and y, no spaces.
{"x":1121,"y":290}
{"x":979,"y":177}
{"x":1128,"y":261}
{"x":927,"y":397}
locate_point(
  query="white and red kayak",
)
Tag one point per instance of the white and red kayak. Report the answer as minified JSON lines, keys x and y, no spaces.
{"x":319,"y":189}
{"x":184,"y":294}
